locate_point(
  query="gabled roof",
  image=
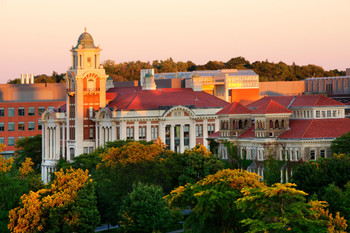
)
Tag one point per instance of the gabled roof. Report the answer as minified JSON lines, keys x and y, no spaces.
{"x":214,"y":135}
{"x":317,"y":128}
{"x":249,"y":133}
{"x":234,"y":108}
{"x":314,"y":100}
{"x":271,"y":107}
{"x":134,"y":98}
{"x":282,"y":100}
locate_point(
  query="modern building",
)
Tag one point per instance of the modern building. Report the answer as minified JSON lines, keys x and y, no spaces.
{"x":227,"y":84}
{"x":291,"y":128}
{"x":21,"y":109}
{"x":95,"y":112}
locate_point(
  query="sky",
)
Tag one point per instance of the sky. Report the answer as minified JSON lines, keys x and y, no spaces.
{"x":36,"y":35}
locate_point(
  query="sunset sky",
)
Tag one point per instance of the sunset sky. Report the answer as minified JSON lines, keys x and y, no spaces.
{"x":36,"y":35}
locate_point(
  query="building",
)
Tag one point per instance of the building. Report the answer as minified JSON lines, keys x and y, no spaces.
{"x":95,"y":112}
{"x":227,"y":84}
{"x":22,"y":106}
{"x":291,"y":128}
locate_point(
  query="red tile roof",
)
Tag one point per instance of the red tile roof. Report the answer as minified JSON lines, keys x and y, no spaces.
{"x":249,"y":133}
{"x":134,"y":98}
{"x":234,"y":108}
{"x":270,"y":108}
{"x":214,"y":135}
{"x":296,"y":101}
{"x":314,"y":100}
{"x":282,"y":100}
{"x":317,"y":128}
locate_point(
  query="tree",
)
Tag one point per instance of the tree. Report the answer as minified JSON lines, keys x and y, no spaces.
{"x":68,"y":205}
{"x":145,"y":210}
{"x":29,"y":147}
{"x":341,"y":144}
{"x":14,"y":182}
{"x":280,"y":208}
{"x":212,"y":200}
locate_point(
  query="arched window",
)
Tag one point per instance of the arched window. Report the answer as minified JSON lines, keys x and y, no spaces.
{"x":245,"y":123}
{"x":271,"y":124}
{"x":90,"y":85}
{"x":234,"y":124}
{"x":282,"y":124}
{"x":277,"y":125}
{"x":240,"y":124}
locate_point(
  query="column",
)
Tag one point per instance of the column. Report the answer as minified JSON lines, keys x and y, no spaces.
{"x":161,"y":131}
{"x":63,"y":141}
{"x":148,"y":131}
{"x":100,"y":136}
{"x":96,"y":136}
{"x":136,"y":130}
{"x":172,"y":138}
{"x":205,"y":133}
{"x":182,"y":143}
{"x":79,"y":117}
{"x":50,"y":143}
{"x":217,"y":125}
{"x":192,"y":134}
{"x":122,"y":130}
{"x":43,"y":146}
{"x":114,"y":131}
{"x":110,"y":133}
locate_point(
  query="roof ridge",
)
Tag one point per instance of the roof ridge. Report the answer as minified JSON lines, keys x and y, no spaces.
{"x":307,"y":128}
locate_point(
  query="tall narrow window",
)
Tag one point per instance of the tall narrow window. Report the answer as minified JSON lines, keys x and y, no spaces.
{"x":89,"y":61}
{"x":312,"y":155}
{"x":91,"y":112}
{"x":11,"y":112}
{"x":2,"y":112}
{"x":2,"y":126}
{"x":90,"y":85}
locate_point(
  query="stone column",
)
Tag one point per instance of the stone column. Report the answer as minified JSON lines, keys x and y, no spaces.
{"x":96,"y":136}
{"x":161,"y":131}
{"x":172,"y":138}
{"x":122,"y":130}
{"x":100,"y":136}
{"x":205,"y":133}
{"x":64,"y":141}
{"x":217,"y":125}
{"x":50,"y":143}
{"x":136,"y":130}
{"x":192,"y":134}
{"x":148,"y":131}
{"x":182,"y":143}
{"x":114,"y":131}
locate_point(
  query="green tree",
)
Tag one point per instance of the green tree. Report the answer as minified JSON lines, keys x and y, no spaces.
{"x":29,"y":147}
{"x":212,"y":201}
{"x":280,"y":208}
{"x":341,"y":144}
{"x":145,"y":210}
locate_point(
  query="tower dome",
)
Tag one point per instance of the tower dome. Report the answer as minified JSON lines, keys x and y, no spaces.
{"x":86,"y":41}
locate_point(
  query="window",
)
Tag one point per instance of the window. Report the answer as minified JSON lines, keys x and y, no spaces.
{"x":91,"y":133}
{"x":323,"y":114}
{"x":199,"y":130}
{"x":291,"y":154}
{"x":2,"y":112}
{"x":312,"y":155}
{"x":11,"y":141}
{"x":11,"y":126}
{"x":329,"y":113}
{"x":51,"y":108}
{"x":21,"y":111}
{"x":89,"y":61}
{"x":31,"y":125}
{"x":91,"y":149}
{"x":11,"y":112}
{"x":90,"y":85}
{"x":154,"y":132}
{"x":31,"y":111}
{"x":211,"y":129}
{"x":2,"y":126}
{"x":323,"y":153}
{"x":40,"y":125}
{"x":317,"y":114}
{"x":91,"y":112}
{"x":41,"y":110}
{"x":142,"y":132}
{"x":21,"y":126}
{"x":2,"y":140}
{"x":85,"y":150}
{"x":129,"y":133}
{"x":334,"y":113}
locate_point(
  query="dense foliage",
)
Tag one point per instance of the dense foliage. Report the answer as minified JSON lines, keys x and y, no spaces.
{"x":68,"y":205}
{"x":144,"y":210}
{"x":29,"y":147}
{"x":268,"y":71}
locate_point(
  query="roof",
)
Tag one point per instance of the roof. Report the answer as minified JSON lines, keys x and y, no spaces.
{"x":134,"y":98}
{"x":214,"y":135}
{"x":282,"y":100}
{"x":271,"y":107}
{"x":85,"y":39}
{"x":317,"y":128}
{"x":314,"y":100}
{"x":297,"y":101}
{"x":249,"y":133}
{"x":204,"y":73}
{"x":234,"y":108}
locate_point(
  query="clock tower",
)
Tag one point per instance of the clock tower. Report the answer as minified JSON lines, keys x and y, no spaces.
{"x":86,"y":93}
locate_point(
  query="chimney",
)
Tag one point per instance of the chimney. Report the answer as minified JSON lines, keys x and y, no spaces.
{"x":22,"y":79}
{"x":148,"y":83}
{"x":27,"y":79}
{"x":32,"y":79}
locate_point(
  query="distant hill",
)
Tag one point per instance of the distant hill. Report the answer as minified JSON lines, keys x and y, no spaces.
{"x":267,"y":71}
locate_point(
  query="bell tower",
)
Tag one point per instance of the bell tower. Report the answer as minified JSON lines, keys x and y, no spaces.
{"x":86,"y":93}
